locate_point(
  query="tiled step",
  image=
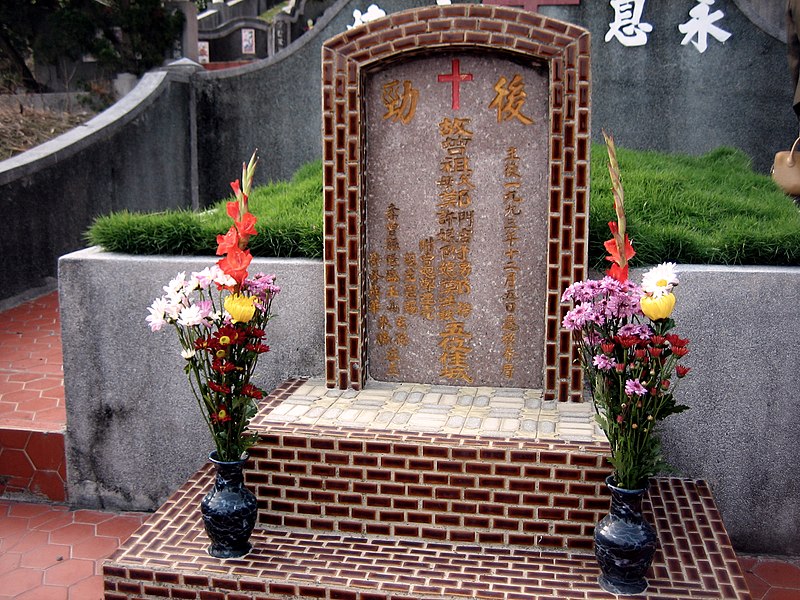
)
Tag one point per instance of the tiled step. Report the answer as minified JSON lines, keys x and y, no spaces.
{"x":167,"y":558}
{"x":350,"y":512}
{"x":32,"y":411}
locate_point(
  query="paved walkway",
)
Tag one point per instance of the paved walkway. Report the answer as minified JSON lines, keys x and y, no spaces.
{"x":49,"y":552}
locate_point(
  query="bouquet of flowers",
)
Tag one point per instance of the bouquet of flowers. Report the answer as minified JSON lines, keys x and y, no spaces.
{"x":220,"y":315}
{"x":628,"y":350}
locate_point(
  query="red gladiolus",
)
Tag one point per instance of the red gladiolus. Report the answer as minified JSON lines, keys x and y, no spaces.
{"x":225,"y":243}
{"x":681,"y":371}
{"x":236,"y":263}
{"x":618,"y":270}
{"x":247,"y":228}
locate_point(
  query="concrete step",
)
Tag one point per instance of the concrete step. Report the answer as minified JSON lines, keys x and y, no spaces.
{"x":374,"y":514}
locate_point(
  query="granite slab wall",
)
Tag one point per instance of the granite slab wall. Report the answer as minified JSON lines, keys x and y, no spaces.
{"x":134,"y":431}
{"x":741,"y":432}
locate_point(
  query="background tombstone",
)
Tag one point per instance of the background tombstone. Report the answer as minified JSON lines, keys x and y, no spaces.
{"x":386,"y":178}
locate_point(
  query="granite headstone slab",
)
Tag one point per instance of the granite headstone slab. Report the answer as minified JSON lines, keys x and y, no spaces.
{"x":456,"y":145}
{"x":456,"y":200}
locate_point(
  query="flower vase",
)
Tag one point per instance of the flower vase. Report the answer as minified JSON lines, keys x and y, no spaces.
{"x":229,"y":510}
{"x":625,"y":543}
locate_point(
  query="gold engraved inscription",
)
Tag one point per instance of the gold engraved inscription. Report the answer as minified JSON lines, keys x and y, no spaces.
{"x":509,"y":98}
{"x":400,"y":104}
{"x":455,"y":218}
{"x":511,"y":210}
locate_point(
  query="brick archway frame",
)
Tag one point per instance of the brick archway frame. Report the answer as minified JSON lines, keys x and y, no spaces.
{"x":347,"y":58}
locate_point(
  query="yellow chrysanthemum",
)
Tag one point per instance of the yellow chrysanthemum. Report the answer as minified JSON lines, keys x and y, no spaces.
{"x":241,"y":308}
{"x":658,"y":308}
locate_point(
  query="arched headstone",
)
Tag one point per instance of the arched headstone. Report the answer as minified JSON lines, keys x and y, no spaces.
{"x":456,"y":147}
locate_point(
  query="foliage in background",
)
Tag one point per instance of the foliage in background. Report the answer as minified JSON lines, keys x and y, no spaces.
{"x":123,"y":35}
{"x":711,"y":209}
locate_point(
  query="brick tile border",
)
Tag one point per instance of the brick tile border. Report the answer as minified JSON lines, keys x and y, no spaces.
{"x":565,"y":48}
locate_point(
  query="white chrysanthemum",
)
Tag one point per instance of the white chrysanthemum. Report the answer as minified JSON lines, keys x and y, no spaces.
{"x":157,"y":317}
{"x":187,"y":353}
{"x":190,"y":316}
{"x":660,"y":280}
{"x":175,"y":286}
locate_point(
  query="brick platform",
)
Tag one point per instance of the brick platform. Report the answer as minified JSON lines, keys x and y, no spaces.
{"x":373,"y":515}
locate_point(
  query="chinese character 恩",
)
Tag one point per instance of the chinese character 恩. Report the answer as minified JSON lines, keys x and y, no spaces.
{"x":400,"y":105}
{"x":509,"y":100}
{"x":627,"y":26}
{"x":701,"y":25}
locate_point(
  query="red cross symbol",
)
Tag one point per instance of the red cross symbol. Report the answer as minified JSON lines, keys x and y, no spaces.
{"x":455,"y":77}
{"x":531,"y":5}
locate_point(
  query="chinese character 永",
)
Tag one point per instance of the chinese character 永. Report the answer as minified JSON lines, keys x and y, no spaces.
{"x":400,"y":105}
{"x":702,"y":25}
{"x":627,"y":26}
{"x":509,"y":100}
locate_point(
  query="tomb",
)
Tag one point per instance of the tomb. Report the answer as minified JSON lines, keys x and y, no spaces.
{"x":447,"y":452}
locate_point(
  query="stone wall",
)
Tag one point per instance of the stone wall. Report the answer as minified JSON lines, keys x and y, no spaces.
{"x":741,"y":432}
{"x":134,"y":433}
{"x":138,"y":155}
{"x":671,"y":97}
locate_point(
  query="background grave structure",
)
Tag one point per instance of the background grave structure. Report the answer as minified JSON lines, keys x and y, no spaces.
{"x":456,"y":173}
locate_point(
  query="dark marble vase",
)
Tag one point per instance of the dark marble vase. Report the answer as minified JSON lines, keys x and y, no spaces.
{"x":624,"y":543}
{"x":229,"y":510}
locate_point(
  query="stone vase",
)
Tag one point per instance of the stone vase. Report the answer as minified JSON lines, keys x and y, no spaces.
{"x":624,"y":543}
{"x":229,"y":510}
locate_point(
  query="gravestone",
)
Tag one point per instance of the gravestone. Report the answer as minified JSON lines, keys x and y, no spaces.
{"x":456,"y":169}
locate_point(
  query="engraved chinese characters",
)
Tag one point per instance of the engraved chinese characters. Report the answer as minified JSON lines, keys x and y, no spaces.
{"x":456,"y":209}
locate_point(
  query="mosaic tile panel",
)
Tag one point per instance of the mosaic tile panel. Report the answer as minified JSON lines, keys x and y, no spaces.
{"x":346,"y":58}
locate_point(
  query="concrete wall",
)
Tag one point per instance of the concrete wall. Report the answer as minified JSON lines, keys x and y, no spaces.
{"x":134,"y":431}
{"x":741,"y":432}
{"x":273,"y":105}
{"x":137,"y":155}
{"x":665,"y":96}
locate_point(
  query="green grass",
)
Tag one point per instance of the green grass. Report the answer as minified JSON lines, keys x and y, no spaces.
{"x":711,"y":209}
{"x":289,"y":223}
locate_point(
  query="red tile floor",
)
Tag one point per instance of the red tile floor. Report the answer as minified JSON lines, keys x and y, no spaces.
{"x":49,"y":552}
